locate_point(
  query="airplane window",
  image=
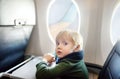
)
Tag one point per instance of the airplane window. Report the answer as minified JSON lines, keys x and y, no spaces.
{"x":115,"y":25}
{"x":63,"y":14}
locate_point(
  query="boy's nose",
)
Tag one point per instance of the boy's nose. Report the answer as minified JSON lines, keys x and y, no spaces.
{"x":59,"y":46}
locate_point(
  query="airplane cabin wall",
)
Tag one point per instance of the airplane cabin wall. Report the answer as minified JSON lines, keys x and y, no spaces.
{"x":40,"y":42}
{"x":106,"y":42}
{"x":92,"y":43}
{"x":95,"y":28}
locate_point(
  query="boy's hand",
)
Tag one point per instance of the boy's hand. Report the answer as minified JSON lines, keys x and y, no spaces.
{"x":49,"y":58}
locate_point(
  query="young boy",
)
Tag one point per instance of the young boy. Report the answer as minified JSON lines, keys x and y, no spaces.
{"x":70,"y":63}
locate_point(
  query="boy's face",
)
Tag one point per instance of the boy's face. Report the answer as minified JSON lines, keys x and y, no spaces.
{"x":64,"y":46}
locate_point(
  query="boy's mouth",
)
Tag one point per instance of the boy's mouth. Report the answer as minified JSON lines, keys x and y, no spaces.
{"x":59,"y":52}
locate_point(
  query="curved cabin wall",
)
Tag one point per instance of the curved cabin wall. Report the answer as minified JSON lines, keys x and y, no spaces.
{"x":106,"y":43}
{"x":41,"y":32}
{"x":95,"y":28}
{"x":40,"y":42}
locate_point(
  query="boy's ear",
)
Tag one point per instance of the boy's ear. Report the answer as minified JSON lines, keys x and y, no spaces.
{"x":77,"y":48}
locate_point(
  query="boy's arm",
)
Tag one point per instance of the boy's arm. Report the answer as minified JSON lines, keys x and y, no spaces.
{"x":45,"y":72}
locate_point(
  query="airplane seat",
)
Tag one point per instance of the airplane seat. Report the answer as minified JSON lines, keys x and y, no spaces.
{"x":13,"y":43}
{"x":111,"y":67}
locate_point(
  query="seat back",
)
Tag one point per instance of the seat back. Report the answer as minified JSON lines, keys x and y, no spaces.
{"x":111,"y":68}
{"x":13,"y":43}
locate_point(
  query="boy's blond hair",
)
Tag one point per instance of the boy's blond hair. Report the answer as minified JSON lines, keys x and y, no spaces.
{"x":76,"y":37}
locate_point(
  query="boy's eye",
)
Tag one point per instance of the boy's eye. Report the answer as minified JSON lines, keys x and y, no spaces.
{"x":57,"y":43}
{"x":65,"y":43}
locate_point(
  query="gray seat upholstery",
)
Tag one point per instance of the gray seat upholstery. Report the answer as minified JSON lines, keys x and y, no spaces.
{"x":111,"y":68}
{"x":13,"y":43}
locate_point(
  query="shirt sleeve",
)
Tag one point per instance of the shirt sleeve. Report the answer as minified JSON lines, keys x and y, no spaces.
{"x":46,"y":72}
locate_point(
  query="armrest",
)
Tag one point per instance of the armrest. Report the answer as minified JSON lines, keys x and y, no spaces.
{"x":94,"y":68}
